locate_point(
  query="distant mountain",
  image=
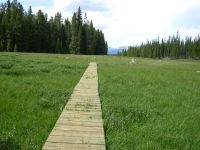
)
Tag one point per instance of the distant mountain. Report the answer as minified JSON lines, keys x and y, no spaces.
{"x":113,"y":51}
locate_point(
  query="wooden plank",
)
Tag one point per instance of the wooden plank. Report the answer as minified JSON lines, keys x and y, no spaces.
{"x":76,"y":139}
{"x":77,"y":133}
{"x":81,"y":112}
{"x":81,"y":120}
{"x":83,"y":109}
{"x":88,"y":115}
{"x":64,"y":146}
{"x":78,"y":128}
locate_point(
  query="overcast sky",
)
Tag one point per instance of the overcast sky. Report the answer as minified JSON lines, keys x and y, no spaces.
{"x":130,"y":22}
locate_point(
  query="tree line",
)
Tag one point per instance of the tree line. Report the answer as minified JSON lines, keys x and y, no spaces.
{"x":173,"y":47}
{"x":24,"y":31}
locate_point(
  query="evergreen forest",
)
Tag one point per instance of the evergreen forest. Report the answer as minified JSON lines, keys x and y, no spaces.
{"x":173,"y":47}
{"x":24,"y":31}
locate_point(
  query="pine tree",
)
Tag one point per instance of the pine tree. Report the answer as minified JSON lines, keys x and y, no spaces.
{"x":68,"y":34}
{"x":58,"y":46}
{"x":9,"y":48}
{"x":74,"y":40}
{"x":1,"y":45}
{"x":79,"y":17}
{"x":41,"y":29}
{"x":91,"y":39}
{"x":84,"y":39}
{"x":15,"y":48}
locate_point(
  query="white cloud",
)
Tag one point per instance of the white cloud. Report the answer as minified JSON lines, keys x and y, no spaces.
{"x":62,"y":4}
{"x":49,"y":10}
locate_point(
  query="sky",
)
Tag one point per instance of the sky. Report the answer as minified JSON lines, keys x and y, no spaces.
{"x":129,"y":22}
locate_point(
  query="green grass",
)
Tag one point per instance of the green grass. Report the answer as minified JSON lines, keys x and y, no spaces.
{"x":150,"y":105}
{"x":33,"y":91}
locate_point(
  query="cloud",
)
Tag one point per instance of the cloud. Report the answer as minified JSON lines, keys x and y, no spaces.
{"x":102,"y":26}
{"x":49,"y":10}
{"x":189,"y":18}
{"x":87,"y":5}
{"x":36,"y":3}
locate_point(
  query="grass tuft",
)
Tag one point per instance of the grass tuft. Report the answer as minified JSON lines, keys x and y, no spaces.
{"x":6,"y":65}
{"x":7,"y":142}
{"x":46,"y":104}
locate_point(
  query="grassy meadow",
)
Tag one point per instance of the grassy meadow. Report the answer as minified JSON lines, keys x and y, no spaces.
{"x":34,"y":88}
{"x":153,"y":104}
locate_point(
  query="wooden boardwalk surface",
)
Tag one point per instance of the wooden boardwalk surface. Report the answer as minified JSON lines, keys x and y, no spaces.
{"x":80,"y":125}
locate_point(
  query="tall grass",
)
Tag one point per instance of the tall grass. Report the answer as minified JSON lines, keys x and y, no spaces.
{"x":33,"y":91}
{"x":153,"y":104}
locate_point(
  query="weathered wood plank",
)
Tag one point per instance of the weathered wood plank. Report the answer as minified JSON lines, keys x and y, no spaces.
{"x":76,"y":139}
{"x":77,"y":133}
{"x":60,"y":146}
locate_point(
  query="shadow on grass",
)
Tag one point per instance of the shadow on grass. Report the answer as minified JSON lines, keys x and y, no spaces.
{"x":49,"y":100}
{"x":6,"y":65}
{"x":120,"y":118}
{"x":8,"y":143}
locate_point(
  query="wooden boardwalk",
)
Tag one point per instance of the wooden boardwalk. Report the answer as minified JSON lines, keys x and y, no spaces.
{"x":80,"y":125}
